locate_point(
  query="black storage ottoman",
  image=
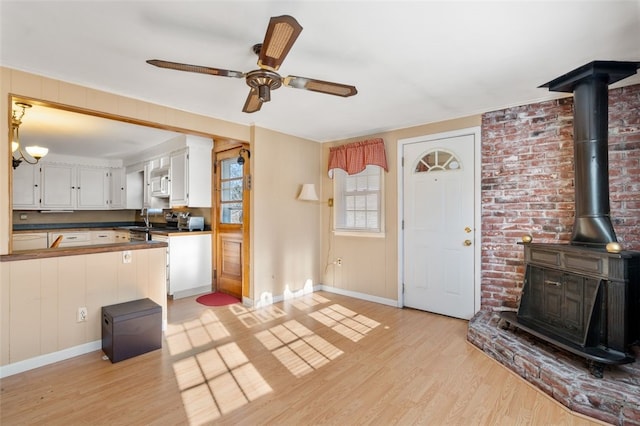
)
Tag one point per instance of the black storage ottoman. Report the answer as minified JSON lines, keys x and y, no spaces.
{"x":131,"y":328}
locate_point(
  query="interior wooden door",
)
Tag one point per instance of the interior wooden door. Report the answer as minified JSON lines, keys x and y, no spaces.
{"x":232,"y":221}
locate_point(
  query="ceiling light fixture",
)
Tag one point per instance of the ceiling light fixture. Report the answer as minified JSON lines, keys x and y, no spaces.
{"x":35,"y":152}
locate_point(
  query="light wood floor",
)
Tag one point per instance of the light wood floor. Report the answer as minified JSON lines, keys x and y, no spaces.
{"x":320,"y":359}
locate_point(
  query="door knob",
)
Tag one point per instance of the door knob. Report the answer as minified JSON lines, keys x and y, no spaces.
{"x":467,"y":243}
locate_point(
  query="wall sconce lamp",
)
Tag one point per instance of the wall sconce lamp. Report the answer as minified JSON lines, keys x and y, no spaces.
{"x":35,"y":152}
{"x":308,"y":193}
{"x":241,"y":158}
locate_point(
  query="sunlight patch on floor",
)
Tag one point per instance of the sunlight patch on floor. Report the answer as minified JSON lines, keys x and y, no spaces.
{"x":216,"y":382}
{"x":195,"y":333}
{"x":297,"y":348}
{"x":305,"y":302}
{"x":344,"y":321}
{"x":252,"y":317}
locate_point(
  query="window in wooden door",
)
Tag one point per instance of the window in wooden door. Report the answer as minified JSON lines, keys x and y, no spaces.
{"x":231,"y":187}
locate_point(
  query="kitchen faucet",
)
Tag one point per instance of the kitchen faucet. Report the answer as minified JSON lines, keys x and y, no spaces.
{"x":145,"y":213}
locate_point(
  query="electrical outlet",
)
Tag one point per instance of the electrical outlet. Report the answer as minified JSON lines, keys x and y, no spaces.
{"x":126,"y":256}
{"x":82,"y":314}
{"x":339,"y":261}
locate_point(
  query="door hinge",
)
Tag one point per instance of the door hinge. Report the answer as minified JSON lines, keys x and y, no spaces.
{"x":402,"y":162}
{"x":403,"y":224}
{"x":402,"y":288}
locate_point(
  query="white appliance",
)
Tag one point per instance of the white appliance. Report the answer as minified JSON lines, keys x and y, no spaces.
{"x":190,"y":223}
{"x":159,"y":182}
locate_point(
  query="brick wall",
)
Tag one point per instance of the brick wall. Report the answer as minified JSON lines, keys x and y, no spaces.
{"x":528,"y":188}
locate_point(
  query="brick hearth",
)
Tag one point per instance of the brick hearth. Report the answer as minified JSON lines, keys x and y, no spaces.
{"x":527,"y":188}
{"x":614,"y":399}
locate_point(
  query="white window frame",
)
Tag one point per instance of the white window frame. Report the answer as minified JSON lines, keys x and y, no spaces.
{"x":340,"y":192}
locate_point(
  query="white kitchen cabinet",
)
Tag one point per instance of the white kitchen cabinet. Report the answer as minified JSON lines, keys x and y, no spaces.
{"x":146,"y":195}
{"x":58,"y":186}
{"x":26,"y":187}
{"x":189,"y":263}
{"x":29,"y":240}
{"x":71,"y":238}
{"x":179,"y":191}
{"x":92,"y":188}
{"x":102,"y":237}
{"x":191,"y":176}
{"x":117,"y":186}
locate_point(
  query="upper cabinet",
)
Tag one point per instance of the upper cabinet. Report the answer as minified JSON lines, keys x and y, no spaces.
{"x":26,"y":187}
{"x":93,"y":188}
{"x":60,"y":186}
{"x":117,"y":185}
{"x":190,"y":174}
{"x":177,"y":175}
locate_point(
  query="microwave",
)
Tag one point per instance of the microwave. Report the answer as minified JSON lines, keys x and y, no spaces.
{"x":159,"y":183}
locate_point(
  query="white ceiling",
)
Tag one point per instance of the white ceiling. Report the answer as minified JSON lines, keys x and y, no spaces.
{"x":413,"y":62}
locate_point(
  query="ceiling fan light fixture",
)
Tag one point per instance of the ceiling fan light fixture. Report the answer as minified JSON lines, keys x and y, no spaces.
{"x":264,"y":93}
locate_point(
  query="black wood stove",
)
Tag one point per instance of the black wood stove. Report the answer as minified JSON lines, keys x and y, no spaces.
{"x":585,"y":296}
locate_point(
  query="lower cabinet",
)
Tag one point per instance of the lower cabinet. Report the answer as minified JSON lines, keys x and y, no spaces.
{"x":30,"y":241}
{"x":189,"y":261}
{"x":102,"y":237}
{"x":71,"y":239}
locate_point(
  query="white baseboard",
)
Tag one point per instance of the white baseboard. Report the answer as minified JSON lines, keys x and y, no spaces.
{"x":191,"y":292}
{"x":357,"y":295}
{"x":42,"y":360}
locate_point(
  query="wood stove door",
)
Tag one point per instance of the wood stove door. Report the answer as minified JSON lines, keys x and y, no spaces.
{"x":439,"y":230}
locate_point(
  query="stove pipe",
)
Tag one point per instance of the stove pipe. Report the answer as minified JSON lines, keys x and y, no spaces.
{"x":589,"y":84}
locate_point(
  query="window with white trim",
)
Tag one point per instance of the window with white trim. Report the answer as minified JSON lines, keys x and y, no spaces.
{"x":358,"y":202}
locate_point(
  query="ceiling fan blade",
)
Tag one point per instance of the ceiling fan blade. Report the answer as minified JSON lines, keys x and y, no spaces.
{"x":195,"y":68}
{"x":327,"y":87}
{"x":253,"y":102}
{"x":281,"y":34}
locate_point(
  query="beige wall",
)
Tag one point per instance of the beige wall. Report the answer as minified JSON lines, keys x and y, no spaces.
{"x":39,"y":298}
{"x":285,"y":232}
{"x":370,"y":265}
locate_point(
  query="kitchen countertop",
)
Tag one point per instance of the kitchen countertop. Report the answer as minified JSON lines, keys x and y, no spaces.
{"x":71,"y":227}
{"x":75,"y":251}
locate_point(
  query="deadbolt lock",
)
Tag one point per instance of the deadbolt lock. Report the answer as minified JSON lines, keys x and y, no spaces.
{"x":467,"y":230}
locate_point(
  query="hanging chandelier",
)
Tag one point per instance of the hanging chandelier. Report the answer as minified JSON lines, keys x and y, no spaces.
{"x":34,"y":152}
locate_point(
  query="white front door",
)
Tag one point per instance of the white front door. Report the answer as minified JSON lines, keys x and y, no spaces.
{"x":439,"y":225}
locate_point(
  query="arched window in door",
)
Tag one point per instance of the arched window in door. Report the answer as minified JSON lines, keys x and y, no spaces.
{"x":437,"y":160}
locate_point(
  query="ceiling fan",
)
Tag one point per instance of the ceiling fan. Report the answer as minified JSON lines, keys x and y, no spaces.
{"x":281,"y":34}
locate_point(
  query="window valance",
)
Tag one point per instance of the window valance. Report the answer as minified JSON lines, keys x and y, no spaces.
{"x":354,"y":157}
